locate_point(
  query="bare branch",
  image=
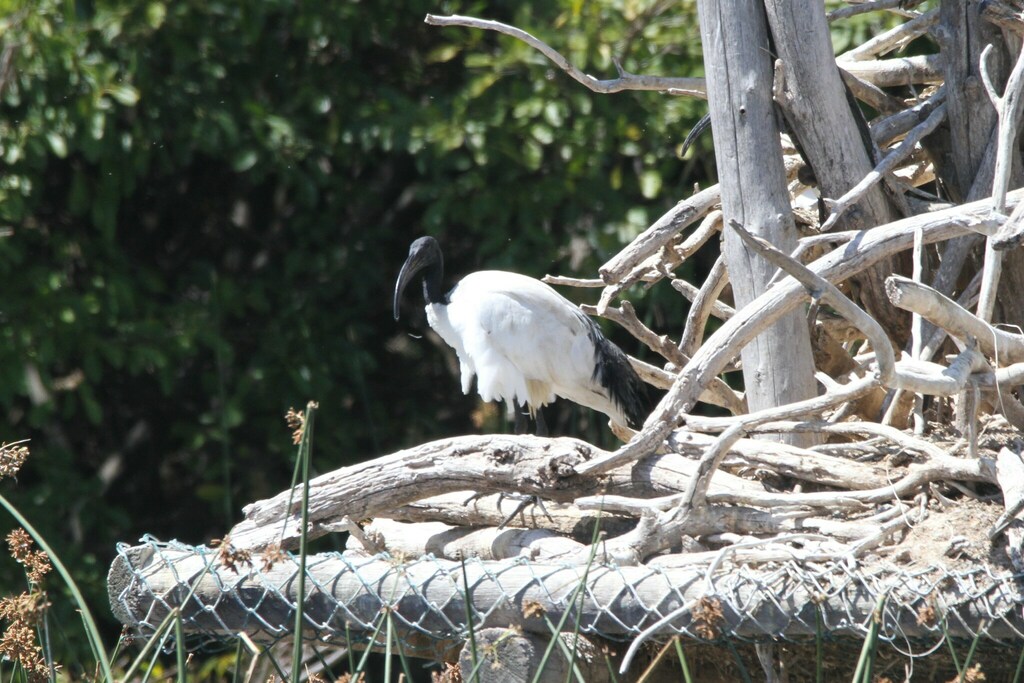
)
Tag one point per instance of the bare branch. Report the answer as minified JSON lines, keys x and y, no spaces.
{"x":887,"y":165}
{"x":901,"y":7}
{"x":702,"y":306}
{"x":943,"y":312}
{"x":1002,"y":15}
{"x":889,"y":73}
{"x":1008,"y":108}
{"x":660,"y":233}
{"x":893,"y":39}
{"x":718,"y":309}
{"x":626,"y":81}
{"x":889,"y":128}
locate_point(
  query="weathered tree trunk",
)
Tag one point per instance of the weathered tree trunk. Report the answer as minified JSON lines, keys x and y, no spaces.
{"x":778,"y":367}
{"x":962,"y":35}
{"x":818,"y":111}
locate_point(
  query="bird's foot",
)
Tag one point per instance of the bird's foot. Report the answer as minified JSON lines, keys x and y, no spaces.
{"x":525,"y":501}
{"x":475,"y":496}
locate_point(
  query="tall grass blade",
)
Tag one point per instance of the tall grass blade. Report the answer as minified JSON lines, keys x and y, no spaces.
{"x":865,"y":663}
{"x":952,"y":650}
{"x":237,"y":671}
{"x":403,"y":659}
{"x":739,"y":661}
{"x":1020,"y":667}
{"x":819,"y":654}
{"x":682,"y":659}
{"x":348,"y":647}
{"x":305,"y":451}
{"x":649,"y":671}
{"x":970,"y":653}
{"x":578,"y":592}
{"x":366,"y":653}
{"x":471,"y":634}
{"x":91,"y":631}
{"x":389,"y":635}
{"x":612,"y":676}
{"x":179,"y":647}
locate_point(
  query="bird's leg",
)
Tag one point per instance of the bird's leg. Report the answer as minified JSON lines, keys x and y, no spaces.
{"x":522,"y":422}
{"x":524,"y":501}
{"x":542,"y":426}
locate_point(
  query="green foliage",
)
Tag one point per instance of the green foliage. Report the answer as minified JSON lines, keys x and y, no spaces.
{"x":208,"y":203}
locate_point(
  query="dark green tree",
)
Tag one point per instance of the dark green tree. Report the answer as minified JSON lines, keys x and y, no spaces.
{"x":204,"y":205}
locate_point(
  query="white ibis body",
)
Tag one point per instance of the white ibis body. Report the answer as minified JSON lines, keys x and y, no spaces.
{"x":523,"y":341}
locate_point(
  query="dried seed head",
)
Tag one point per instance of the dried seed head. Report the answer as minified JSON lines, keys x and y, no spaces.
{"x":12,"y":457}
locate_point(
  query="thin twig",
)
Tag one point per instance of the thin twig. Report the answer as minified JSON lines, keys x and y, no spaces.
{"x":900,"y":7}
{"x":1008,"y":108}
{"x":702,"y":306}
{"x":718,"y":309}
{"x":625,"y":81}
{"x":893,"y":39}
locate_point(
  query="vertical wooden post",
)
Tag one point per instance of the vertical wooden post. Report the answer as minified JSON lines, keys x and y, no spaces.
{"x":778,"y":367}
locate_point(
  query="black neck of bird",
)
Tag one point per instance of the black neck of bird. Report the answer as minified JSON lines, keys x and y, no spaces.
{"x":432,"y":290}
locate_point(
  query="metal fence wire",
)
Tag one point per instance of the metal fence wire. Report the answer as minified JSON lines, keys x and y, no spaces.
{"x":348,"y":598}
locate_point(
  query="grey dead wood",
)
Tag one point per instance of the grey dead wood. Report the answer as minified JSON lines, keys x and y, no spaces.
{"x":404,"y":539}
{"x":897,"y":71}
{"x":660,"y":233}
{"x":888,"y":128}
{"x":962,"y":34}
{"x":1002,"y":346}
{"x":908,"y":374}
{"x":904,"y":8}
{"x":491,"y":510}
{"x":703,"y":305}
{"x":1011,"y":234}
{"x":965,"y":156}
{"x":895,"y":38}
{"x":1003,"y":14}
{"x":818,"y":111}
{"x":867,"y":248}
{"x":625,"y":81}
{"x":871,"y":95}
{"x":778,"y":365}
{"x":1010,"y":473}
{"x":491,"y":464}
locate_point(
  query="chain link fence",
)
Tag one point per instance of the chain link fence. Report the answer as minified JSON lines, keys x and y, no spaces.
{"x":427,"y":603}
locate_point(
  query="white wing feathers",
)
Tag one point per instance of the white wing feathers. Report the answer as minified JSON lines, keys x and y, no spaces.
{"x":522,"y":340}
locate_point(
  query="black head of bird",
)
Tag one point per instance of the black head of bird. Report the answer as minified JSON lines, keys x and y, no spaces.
{"x":425,"y":260}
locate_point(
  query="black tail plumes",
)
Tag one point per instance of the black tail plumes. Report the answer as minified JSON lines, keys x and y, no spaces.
{"x":613,"y":372}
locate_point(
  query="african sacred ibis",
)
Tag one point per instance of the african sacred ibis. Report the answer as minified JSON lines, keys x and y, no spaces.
{"x":524,"y":342}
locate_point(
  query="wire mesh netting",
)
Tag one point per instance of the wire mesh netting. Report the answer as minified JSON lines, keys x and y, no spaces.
{"x":430,"y":601}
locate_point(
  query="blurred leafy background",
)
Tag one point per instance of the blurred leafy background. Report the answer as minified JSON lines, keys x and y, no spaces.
{"x":204,"y":204}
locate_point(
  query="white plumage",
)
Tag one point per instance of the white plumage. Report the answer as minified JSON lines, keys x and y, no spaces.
{"x":523,"y":342}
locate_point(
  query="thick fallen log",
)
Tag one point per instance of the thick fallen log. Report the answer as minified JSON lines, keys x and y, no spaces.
{"x":489,"y":464}
{"x":347,"y":597}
